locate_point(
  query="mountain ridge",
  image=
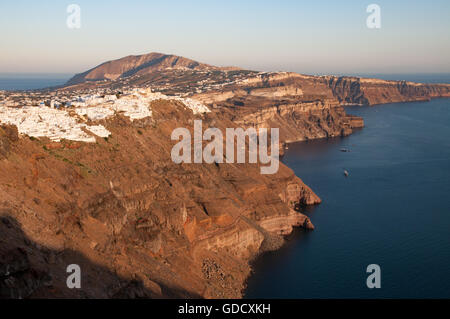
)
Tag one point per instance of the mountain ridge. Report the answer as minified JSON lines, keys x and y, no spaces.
{"x":139,"y":65}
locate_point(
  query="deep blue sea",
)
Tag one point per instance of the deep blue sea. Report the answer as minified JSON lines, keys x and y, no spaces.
{"x":393,"y":210}
{"x":31,"y":81}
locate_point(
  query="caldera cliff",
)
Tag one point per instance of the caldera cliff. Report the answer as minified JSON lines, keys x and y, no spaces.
{"x":141,"y":226}
{"x":136,"y":223}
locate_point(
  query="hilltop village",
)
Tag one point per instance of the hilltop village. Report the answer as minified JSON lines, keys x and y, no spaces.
{"x":65,"y":116}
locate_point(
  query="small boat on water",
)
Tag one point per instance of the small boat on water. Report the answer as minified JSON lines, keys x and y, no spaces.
{"x":345,"y":150}
{"x":346,"y":173}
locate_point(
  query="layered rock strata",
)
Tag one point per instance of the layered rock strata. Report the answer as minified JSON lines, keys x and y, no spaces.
{"x":138,"y":224}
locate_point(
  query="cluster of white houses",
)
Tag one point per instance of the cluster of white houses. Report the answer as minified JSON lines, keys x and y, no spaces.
{"x":48,"y":122}
{"x":54,"y":120}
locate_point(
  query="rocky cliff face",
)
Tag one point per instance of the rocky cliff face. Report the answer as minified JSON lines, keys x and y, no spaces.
{"x":138,"y":224}
{"x":302,"y":107}
{"x":287,"y":86}
{"x":302,"y":121}
{"x":373,"y":91}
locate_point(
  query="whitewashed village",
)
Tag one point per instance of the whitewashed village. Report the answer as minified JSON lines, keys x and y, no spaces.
{"x":65,"y":115}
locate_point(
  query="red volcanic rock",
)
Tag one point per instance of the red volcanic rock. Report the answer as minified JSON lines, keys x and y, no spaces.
{"x":54,"y":146}
{"x":130,"y":217}
{"x":73,"y":145}
{"x":8,"y":136}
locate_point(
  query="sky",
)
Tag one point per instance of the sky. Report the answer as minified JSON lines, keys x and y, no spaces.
{"x":312,"y":37}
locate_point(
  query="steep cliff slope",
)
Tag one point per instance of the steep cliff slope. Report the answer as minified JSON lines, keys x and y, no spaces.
{"x":374,"y":91}
{"x":138,"y":224}
{"x":285,"y":86}
{"x":303,"y":107}
{"x":307,"y":107}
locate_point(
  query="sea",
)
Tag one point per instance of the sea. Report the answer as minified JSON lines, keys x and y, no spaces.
{"x":32,"y":81}
{"x":392,"y":210}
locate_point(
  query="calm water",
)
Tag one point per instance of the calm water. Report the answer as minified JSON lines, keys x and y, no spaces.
{"x":393,"y":210}
{"x":31,"y":81}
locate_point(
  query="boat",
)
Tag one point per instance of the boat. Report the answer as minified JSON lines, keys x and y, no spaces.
{"x":346,"y":173}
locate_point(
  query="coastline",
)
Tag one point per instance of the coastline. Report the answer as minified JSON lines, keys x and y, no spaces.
{"x":272,"y":258}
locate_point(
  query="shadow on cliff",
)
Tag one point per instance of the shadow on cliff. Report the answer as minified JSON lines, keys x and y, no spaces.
{"x":30,"y":270}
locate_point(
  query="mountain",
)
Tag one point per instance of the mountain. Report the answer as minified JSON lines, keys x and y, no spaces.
{"x":140,"y":65}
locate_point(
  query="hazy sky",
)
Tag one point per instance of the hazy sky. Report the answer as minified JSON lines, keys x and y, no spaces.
{"x":302,"y":36}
